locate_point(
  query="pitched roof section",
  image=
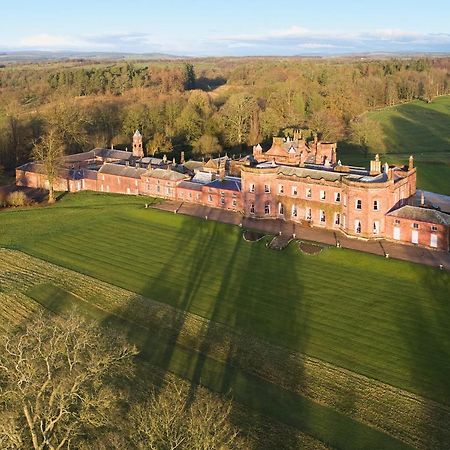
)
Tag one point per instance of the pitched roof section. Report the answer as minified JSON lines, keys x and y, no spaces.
{"x":122,"y":171}
{"x":190,"y":185}
{"x":163,"y":174}
{"x":421,"y":215}
{"x":227,"y":184}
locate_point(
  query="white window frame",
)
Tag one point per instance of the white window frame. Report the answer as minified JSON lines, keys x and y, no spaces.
{"x":280,"y":189}
{"x":358,"y":201}
{"x":252,"y":208}
{"x":337,"y":219}
{"x":267,"y":188}
{"x":308,"y":193}
{"x":376,"y":205}
{"x":358,"y":225}
{"x":376,"y":228}
{"x":280,"y":209}
{"x":308,"y":214}
{"x":323,"y":195}
{"x":337,"y":197}
{"x":294,"y":190}
{"x":267,"y":209}
{"x":251,"y":187}
{"x":322,"y":216}
{"x":294,"y":211}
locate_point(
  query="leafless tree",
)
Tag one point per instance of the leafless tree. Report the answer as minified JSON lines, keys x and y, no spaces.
{"x":57,"y":383}
{"x":169,"y":421}
{"x":49,"y":151}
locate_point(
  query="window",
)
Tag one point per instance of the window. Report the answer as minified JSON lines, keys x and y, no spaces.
{"x":308,"y":214}
{"x":198,"y":196}
{"x":345,"y":200}
{"x":222,"y":200}
{"x":280,"y":209}
{"x":433,"y":228}
{"x":416,"y":226}
{"x":251,"y":188}
{"x":376,"y":205}
{"x":267,"y":208}
{"x":136,"y":183}
{"x":209,"y":198}
{"x":280,"y":189}
{"x":294,"y":211}
{"x":322,"y":216}
{"x":234,"y":203}
{"x":337,"y":197}
{"x":294,"y":190}
{"x":252,"y":208}
{"x":357,"y":226}
{"x":190,"y":194}
{"x":376,"y":227}
{"x":308,"y":193}
{"x":180,"y":195}
{"x":358,"y":204}
{"x":322,"y":195}
{"x":337,"y":219}
{"x":266,"y":188}
{"x":397,"y":222}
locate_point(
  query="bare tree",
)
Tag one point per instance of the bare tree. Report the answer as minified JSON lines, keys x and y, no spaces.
{"x":49,"y":151}
{"x":169,"y":421}
{"x":57,"y":383}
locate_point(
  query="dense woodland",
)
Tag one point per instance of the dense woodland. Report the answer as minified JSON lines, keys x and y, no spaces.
{"x":205,"y":106}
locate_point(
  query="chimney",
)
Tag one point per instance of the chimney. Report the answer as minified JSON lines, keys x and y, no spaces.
{"x":182,"y":158}
{"x":422,"y":199}
{"x":411,"y":163}
{"x":375,"y":166}
{"x":112,"y":146}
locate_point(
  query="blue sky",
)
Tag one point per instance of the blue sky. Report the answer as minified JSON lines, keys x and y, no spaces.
{"x":229,"y":27}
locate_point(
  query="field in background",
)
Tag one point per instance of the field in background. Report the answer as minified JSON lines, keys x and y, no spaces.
{"x":420,"y":129}
{"x":355,"y":316}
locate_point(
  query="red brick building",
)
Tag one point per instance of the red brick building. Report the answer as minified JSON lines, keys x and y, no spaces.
{"x":293,"y":180}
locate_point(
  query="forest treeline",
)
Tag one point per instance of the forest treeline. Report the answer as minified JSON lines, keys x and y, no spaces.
{"x":205,"y":106}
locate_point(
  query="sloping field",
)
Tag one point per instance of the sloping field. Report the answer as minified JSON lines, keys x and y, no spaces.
{"x":259,"y":321}
{"x":416,"y":128}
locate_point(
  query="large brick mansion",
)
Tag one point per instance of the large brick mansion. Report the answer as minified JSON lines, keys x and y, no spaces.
{"x":294,"y":180}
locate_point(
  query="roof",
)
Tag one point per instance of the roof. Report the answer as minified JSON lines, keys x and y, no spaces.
{"x":113,"y":153}
{"x":190,"y":185}
{"x":277,"y":150}
{"x":214,"y":163}
{"x":77,"y":157}
{"x":227,"y":184}
{"x":202,"y":177}
{"x":421,"y":214}
{"x":315,"y":174}
{"x":164,"y":174}
{"x":192,"y":165}
{"x":122,"y":171}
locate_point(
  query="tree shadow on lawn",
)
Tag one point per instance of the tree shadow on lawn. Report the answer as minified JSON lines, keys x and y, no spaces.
{"x":429,"y":345}
{"x":417,"y":120}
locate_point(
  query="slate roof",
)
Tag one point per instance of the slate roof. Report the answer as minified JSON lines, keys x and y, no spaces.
{"x":77,"y":157}
{"x":163,"y":174}
{"x":315,"y":174}
{"x":421,"y":214}
{"x":122,"y":171}
{"x":113,"y":153}
{"x":227,"y":184}
{"x":193,"y":165}
{"x":202,"y":177}
{"x":191,"y":185}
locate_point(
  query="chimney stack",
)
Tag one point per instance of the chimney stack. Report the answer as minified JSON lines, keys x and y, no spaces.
{"x":411,"y":163}
{"x":422,"y":199}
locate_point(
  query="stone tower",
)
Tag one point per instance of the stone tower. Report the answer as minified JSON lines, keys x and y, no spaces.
{"x":138,"y":151}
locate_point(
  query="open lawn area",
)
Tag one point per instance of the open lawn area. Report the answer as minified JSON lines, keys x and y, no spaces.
{"x":362,"y":318}
{"x":416,"y":128}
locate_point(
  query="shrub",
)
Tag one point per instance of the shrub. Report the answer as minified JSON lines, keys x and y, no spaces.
{"x":18,"y":198}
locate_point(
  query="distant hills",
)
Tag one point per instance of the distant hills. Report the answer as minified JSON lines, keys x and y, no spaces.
{"x":37,"y":55}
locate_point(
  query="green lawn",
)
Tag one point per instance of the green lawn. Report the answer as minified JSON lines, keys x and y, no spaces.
{"x":383,"y":318}
{"x":416,"y":127}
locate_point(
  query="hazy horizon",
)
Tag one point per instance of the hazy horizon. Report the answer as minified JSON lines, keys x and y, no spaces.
{"x":232,"y":28}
